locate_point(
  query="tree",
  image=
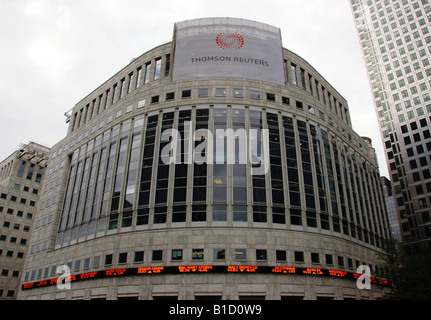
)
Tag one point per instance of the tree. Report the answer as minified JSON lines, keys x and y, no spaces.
{"x":389,"y":269}
{"x":408,"y":268}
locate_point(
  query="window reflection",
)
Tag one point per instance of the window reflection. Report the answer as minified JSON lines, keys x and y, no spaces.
{"x":219,"y":212}
{"x":119,"y":181}
{"x":240,"y":213}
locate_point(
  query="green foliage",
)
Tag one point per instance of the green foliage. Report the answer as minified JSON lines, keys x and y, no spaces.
{"x":408,"y":268}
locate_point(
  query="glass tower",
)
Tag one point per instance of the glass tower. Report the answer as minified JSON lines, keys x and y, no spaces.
{"x":396,"y":43}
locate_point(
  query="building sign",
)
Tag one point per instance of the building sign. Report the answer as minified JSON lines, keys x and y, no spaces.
{"x":229,"y":269}
{"x":228,"y":47}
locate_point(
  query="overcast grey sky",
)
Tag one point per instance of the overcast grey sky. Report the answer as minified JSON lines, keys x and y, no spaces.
{"x":55,"y":52}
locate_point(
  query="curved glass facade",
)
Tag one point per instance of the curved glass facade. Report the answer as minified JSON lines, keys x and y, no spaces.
{"x":119,"y":182}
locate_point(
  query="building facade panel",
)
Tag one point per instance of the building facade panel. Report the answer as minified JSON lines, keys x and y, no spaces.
{"x":395,"y":42}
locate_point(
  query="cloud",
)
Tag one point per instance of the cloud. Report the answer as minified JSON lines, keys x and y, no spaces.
{"x":56,"y":52}
{"x":47,"y":57}
{"x":35,"y":7}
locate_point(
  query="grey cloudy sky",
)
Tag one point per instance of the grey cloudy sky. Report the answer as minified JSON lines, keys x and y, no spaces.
{"x":55,"y":52}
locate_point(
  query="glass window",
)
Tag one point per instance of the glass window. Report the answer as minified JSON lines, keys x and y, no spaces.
{"x":122,"y":86}
{"x":96,"y":262}
{"x":220,"y":116}
{"x":311,"y":109}
{"x":21,"y":168}
{"x":126,"y":220}
{"x":315,"y":257}
{"x":114,"y":95}
{"x":108,"y":259}
{"x":302,"y":73}
{"x":139,"y":256}
{"x":299,"y":105}
{"x":155,"y":99}
{"x":220,"y":182}
{"x":285,"y":100}
{"x":160,"y":212}
{"x":240,"y":254}
{"x":138,"y":78}
{"x":199,"y":213}
{"x":254,"y":94}
{"x":202,"y":115}
{"x":158,"y":68}
{"x":270,"y":96}
{"x":261,"y":254}
{"x":141,"y":103}
{"x":278,"y":215}
{"x":299,"y":256}
{"x":220,"y":92}
{"x":167,"y":64}
{"x":197,"y":254}
{"x":240,"y":213}
{"x":293,"y":73}
{"x":259,"y":213}
{"x":30,"y":171}
{"x":122,"y":257}
{"x":157,"y":255}
{"x":203,"y":92}
{"x":238,"y":116}
{"x":39,"y":173}
{"x":281,"y":255}
{"x":177,"y":254}
{"x":186,"y":94}
{"x":239,"y":194}
{"x":142,"y":217}
{"x":129,"y":86}
{"x":238,"y":93}
{"x":219,"y":254}
{"x":219,"y":213}
{"x":147,"y":72}
{"x":179,"y":212}
{"x":259,"y":189}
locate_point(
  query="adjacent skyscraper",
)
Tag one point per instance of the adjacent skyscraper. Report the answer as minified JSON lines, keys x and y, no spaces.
{"x":21,"y":176}
{"x":396,"y":43}
{"x":392,"y":208}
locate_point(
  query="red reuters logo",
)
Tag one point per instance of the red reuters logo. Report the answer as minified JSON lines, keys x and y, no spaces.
{"x":231,"y":41}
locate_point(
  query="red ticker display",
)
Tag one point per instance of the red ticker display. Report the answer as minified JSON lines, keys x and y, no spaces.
{"x":204,"y":269}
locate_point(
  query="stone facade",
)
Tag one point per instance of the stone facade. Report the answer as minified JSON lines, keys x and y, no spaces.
{"x":21,"y":177}
{"x":395,"y":41}
{"x":319,"y":206}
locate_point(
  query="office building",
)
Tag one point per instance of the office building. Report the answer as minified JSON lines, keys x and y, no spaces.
{"x":394,"y":221}
{"x":396,"y":44}
{"x":218,"y":165}
{"x":21,"y":177}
